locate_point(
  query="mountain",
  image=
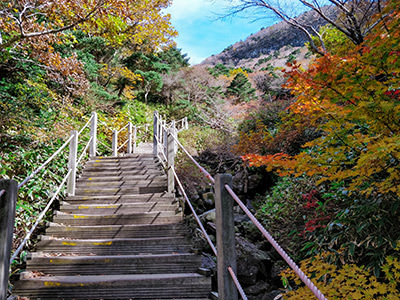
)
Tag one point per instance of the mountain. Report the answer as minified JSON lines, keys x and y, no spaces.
{"x":269,"y":42}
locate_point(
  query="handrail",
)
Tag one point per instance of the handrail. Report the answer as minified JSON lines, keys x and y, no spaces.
{"x":85,"y":126}
{"x":204,"y":171}
{"x":203,"y":230}
{"x":123,"y":128}
{"x":237,"y":283}
{"x":105,"y":145}
{"x":40,"y":217}
{"x":84,"y":151}
{"x":126,"y":142}
{"x":277,"y":247}
{"x":45,"y":163}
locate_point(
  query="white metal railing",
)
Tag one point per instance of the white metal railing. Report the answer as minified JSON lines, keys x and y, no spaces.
{"x":131,"y":141}
{"x":165,"y":137}
{"x":70,"y":177}
{"x":74,"y":161}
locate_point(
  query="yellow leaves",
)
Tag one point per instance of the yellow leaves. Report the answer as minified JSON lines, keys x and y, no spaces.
{"x":348,"y":282}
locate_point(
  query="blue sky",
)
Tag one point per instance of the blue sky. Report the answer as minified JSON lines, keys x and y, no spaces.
{"x":201,"y":34}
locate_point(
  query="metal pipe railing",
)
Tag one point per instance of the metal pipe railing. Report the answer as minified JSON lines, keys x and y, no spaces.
{"x":277,"y":247}
{"x":203,"y":230}
{"x":237,"y":283}
{"x":45,"y":163}
{"x":86,"y":125}
{"x":84,"y":151}
{"x":202,"y":170}
{"x":39,"y":219}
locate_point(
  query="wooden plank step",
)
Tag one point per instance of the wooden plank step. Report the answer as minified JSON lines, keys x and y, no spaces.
{"x":117,"y":168}
{"x":122,"y":184}
{"x":119,"y":246}
{"x":118,"y":219}
{"x":154,"y":188}
{"x":98,"y":209}
{"x":122,"y":178}
{"x":113,"y":199}
{"x":134,"y":286}
{"x":114,"y":264}
{"x":120,"y":173}
{"x":117,"y":231}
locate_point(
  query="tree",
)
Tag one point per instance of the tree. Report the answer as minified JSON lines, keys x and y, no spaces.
{"x":241,"y":88}
{"x":353,"y":101}
{"x":31,"y":30}
{"x":351,"y":17}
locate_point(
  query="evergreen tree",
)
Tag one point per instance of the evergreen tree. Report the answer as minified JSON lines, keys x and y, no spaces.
{"x":241,"y":88}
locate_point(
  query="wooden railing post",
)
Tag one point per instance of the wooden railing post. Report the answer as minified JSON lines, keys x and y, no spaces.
{"x":129,"y":149}
{"x":93,"y":135}
{"x":171,"y":159}
{"x":7,"y":215}
{"x":134,"y":138}
{"x":155,"y":134}
{"x":73,"y":153}
{"x":225,"y":228}
{"x":115,"y":143}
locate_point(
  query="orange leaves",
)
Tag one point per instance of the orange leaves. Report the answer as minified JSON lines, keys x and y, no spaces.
{"x":279,"y":162}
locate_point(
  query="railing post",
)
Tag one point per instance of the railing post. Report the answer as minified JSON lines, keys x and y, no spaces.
{"x":225,"y":228}
{"x":155,"y":134}
{"x":73,"y":153}
{"x":186,"y":123}
{"x":134,"y":138}
{"x":171,"y":159}
{"x":7,"y":215}
{"x":115,"y":143}
{"x":93,"y":135}
{"x":165,"y":139}
{"x":129,"y":149}
{"x":175,"y":134}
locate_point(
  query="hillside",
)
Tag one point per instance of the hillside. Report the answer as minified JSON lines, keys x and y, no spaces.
{"x":268,"y":43}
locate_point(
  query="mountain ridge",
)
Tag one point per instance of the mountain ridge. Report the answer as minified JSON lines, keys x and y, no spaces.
{"x":268,"y":40}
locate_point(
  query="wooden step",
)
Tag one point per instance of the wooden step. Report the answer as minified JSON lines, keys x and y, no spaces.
{"x":117,"y":246}
{"x":134,"y":286}
{"x":114,"y":264}
{"x":146,"y":189}
{"x":113,"y":199}
{"x":122,"y":178}
{"x":100,"y":209}
{"x":117,"y":231}
{"x":161,"y":217}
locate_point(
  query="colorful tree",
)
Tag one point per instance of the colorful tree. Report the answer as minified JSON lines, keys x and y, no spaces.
{"x":353,"y":101}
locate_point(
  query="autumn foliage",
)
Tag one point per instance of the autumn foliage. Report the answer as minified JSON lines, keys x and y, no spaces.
{"x":353,"y":102}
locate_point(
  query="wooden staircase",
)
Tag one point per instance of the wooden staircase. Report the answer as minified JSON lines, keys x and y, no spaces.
{"x":120,"y":237}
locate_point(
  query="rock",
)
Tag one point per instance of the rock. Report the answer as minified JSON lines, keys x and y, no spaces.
{"x":254,"y":181}
{"x":274,"y":295}
{"x":259,"y":288}
{"x":247,"y":274}
{"x":209,"y":196}
{"x":209,"y":215}
{"x":207,"y":262}
{"x":253,"y":263}
{"x":238,"y":182}
{"x":239,"y":218}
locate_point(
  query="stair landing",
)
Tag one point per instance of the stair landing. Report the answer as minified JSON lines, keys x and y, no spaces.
{"x":120,"y":237}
